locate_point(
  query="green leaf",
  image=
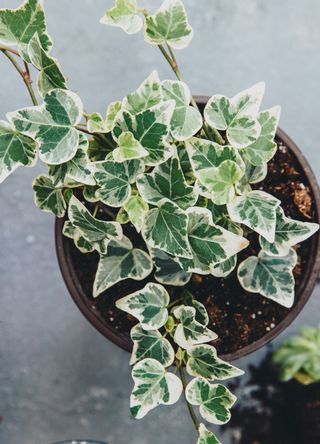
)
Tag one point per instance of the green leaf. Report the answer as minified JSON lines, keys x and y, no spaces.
{"x":148,"y":305}
{"x":124,"y":15}
{"x":97,"y":232}
{"x":168,"y":269}
{"x":204,"y":362}
{"x":47,"y":197}
{"x":122,"y":262}
{"x":166,"y":228}
{"x":237,"y":116}
{"x":153,"y":386}
{"x":80,"y":242}
{"x":210,"y":244}
{"x":145,"y":97}
{"x":186,"y":120}
{"x":270,"y":276}
{"x":201,"y":312}
{"x":97,"y":124}
{"x":257,"y":210}
{"x":137,"y":209}
{"x":206,"y":437}
{"x":215,"y":400}
{"x":253,"y":174}
{"x":289,"y":232}
{"x":100,"y":148}
{"x":52,"y":125}
{"x":264,"y":148}
{"x":128,"y":148}
{"x":75,"y":169}
{"x":15,"y":150}
{"x":190,"y":332}
{"x":223,"y":269}
{"x":167,"y":181}
{"x":114,"y":179}
{"x":89,"y":193}
{"x":50,"y":76}
{"x":169,"y":25}
{"x":150,"y":128}
{"x":150,"y":344}
{"x":17,"y":27}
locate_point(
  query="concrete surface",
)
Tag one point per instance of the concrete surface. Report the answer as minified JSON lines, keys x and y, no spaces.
{"x":59,"y":378}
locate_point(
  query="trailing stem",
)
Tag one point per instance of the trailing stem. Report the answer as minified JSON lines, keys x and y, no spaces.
{"x":194,"y":418}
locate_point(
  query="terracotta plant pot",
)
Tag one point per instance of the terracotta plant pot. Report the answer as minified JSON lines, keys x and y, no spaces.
{"x":97,"y":315}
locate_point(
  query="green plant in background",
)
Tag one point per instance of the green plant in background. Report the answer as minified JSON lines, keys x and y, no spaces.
{"x":299,"y":357}
{"x":181,"y":178}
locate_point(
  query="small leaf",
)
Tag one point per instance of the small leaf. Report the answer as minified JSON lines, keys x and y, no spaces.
{"x":153,"y":386}
{"x":215,"y":400}
{"x":128,"y":148}
{"x":100,"y":148}
{"x":15,"y":150}
{"x":204,"y":362}
{"x":122,"y":262}
{"x":137,"y":209}
{"x":206,"y":437}
{"x":97,"y":232}
{"x":190,"y":332}
{"x":124,"y":15}
{"x":73,"y":233}
{"x":145,"y":97}
{"x":201,"y":312}
{"x":253,"y":174}
{"x":97,"y":124}
{"x":169,"y":25}
{"x":150,"y":344}
{"x":168,"y":269}
{"x":17,"y":27}
{"x":148,"y":305}
{"x":166,"y":181}
{"x":257,"y":210}
{"x":270,"y":276}
{"x":289,"y":232}
{"x":186,"y":120}
{"x":47,"y":197}
{"x":52,"y":125}
{"x":50,"y":76}
{"x":223,"y":269}
{"x":166,"y":228}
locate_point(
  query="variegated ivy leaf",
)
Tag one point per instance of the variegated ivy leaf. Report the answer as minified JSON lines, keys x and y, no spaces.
{"x":223,"y":269}
{"x":210,"y":244}
{"x":201,"y":312}
{"x":221,"y":217}
{"x":128,"y":148}
{"x":100,"y":148}
{"x":97,"y":232}
{"x":169,"y":25}
{"x":148,"y":305}
{"x":17,"y":26}
{"x":264,"y":148}
{"x":257,"y":210}
{"x":124,"y":15}
{"x":215,"y":400}
{"x":168,"y":269}
{"x":165,"y":228}
{"x":167,"y":181}
{"x":271,"y":276}
{"x":121,"y":262}
{"x":15,"y":150}
{"x":89,"y":193}
{"x":253,"y":174}
{"x":80,"y":242}
{"x":136,"y":209}
{"x":75,"y":169}
{"x":237,"y":116}
{"x":47,"y":197}
{"x":114,"y":179}
{"x":145,"y":97}
{"x":289,"y":232}
{"x":150,"y":128}
{"x":150,"y":344}
{"x":190,"y":332}
{"x":52,"y":125}
{"x":186,"y":120}
{"x":153,"y":386}
{"x":97,"y":124}
{"x":50,"y":76}
{"x":206,"y":437}
{"x":204,"y":362}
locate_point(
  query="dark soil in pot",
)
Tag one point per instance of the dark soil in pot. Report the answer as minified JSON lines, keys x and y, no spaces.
{"x":243,"y":321}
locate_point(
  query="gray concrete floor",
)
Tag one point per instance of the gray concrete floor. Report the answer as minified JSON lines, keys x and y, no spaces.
{"x":59,"y":378}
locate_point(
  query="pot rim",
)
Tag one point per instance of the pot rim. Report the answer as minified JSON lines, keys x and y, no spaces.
{"x":305,"y":289}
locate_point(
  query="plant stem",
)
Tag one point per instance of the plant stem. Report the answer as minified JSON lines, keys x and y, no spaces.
{"x":194,"y":418}
{"x":83,"y":130}
{"x":24,"y":74}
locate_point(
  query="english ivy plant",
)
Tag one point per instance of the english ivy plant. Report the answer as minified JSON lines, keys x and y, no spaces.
{"x":182,"y":180}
